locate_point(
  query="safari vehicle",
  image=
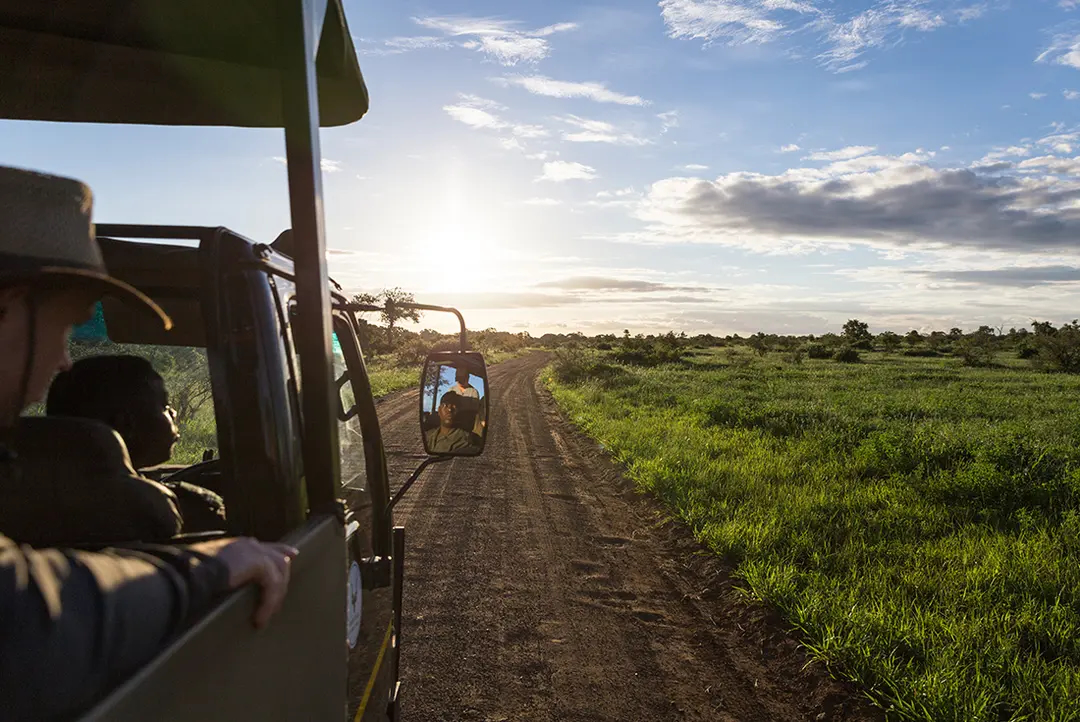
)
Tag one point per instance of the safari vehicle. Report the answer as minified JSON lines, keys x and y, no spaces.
{"x":299,"y":456}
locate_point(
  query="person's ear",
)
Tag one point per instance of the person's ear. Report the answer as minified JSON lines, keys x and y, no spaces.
{"x":124,"y":422}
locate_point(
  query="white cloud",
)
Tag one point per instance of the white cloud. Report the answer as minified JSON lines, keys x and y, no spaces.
{"x":1061,"y":142}
{"x":500,"y":40}
{"x":474,"y":117}
{"x":1037,"y":96}
{"x":593,"y":90}
{"x":732,"y":21}
{"x":403,"y":44}
{"x":1069,"y":4}
{"x":619,"y":193}
{"x":885,"y":201}
{"x":847,"y":36}
{"x":327,"y":165}
{"x":695,"y":166}
{"x":562,"y":170}
{"x":542,"y":202}
{"x":852,"y":151}
{"x":1064,"y":50}
{"x":1013,"y":151}
{"x":668,"y":120}
{"x":476,"y":101}
{"x":789,"y":148}
{"x":1071,"y":94}
{"x":1053,"y":164}
{"x":973,"y":12}
{"x":884,"y":25}
{"x":530,"y":131}
{"x":475,"y":112}
{"x":598,"y":131}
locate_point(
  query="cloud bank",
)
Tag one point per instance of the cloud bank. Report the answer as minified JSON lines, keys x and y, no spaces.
{"x":898,"y":201}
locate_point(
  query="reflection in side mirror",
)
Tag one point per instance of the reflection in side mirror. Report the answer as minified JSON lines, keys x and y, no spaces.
{"x":347,"y":407}
{"x":454,"y":396}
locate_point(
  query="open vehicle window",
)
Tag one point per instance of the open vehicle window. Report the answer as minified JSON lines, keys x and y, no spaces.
{"x":187,"y":381}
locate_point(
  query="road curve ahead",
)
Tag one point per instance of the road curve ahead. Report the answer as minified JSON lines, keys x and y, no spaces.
{"x":540,"y":586}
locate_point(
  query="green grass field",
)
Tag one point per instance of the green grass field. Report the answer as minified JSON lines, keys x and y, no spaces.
{"x":916,"y":520}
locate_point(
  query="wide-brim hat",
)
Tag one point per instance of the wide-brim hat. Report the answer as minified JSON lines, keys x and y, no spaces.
{"x":47,"y":239}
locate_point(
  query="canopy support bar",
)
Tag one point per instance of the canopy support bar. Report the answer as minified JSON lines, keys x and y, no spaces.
{"x":312,"y":329}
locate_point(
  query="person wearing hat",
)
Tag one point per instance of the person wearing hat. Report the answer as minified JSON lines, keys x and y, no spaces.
{"x":72,"y":480}
{"x":73,"y":624}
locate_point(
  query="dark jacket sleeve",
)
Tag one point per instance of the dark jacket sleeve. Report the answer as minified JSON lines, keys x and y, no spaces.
{"x":74,"y":624}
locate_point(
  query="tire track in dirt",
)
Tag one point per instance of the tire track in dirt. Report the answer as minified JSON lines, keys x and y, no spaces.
{"x":541,"y":586}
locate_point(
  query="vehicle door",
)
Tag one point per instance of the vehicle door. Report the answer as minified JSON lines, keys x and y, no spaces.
{"x":371,"y":640}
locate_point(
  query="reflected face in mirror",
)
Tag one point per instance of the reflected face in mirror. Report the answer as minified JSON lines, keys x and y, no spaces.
{"x":453,"y":406}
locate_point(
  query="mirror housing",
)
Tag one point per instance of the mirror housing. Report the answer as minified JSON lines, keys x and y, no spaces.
{"x":454,"y":396}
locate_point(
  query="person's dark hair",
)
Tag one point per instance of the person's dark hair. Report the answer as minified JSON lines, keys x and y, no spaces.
{"x":462,"y":376}
{"x":450,"y":397}
{"x":100,"y":387}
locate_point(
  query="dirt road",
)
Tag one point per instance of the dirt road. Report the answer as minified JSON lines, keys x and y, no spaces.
{"x":540,"y":586}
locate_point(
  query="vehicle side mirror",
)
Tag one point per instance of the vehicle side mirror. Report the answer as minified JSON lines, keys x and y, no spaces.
{"x":454,"y":397}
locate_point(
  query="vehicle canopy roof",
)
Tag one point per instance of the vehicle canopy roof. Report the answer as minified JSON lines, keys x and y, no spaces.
{"x":167,"y":62}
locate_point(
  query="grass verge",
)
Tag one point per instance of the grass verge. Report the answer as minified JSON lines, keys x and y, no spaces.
{"x":915,"y":519}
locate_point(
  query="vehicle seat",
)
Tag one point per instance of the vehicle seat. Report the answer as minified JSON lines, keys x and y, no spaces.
{"x":71,"y":482}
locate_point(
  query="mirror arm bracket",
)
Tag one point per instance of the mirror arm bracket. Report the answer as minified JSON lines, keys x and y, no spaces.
{"x":413,"y":477}
{"x":367,"y":308}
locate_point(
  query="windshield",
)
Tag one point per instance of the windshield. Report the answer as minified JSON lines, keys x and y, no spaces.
{"x":350,"y":438}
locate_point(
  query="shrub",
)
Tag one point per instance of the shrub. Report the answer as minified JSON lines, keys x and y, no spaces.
{"x":572,"y":364}
{"x":1027,"y":352}
{"x":1059,"y":350}
{"x":922,"y":353}
{"x":818,"y":351}
{"x":413,"y":352}
{"x":847,"y":355}
{"x":976,"y":350}
{"x":795,"y":356}
{"x":889,"y":341}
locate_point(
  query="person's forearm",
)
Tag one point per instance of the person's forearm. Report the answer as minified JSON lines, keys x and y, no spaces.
{"x":73,"y":624}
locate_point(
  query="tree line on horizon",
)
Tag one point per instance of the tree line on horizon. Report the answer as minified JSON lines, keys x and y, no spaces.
{"x":1048,"y":347}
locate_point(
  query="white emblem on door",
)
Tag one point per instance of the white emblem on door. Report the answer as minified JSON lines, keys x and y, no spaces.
{"x":354,"y":604}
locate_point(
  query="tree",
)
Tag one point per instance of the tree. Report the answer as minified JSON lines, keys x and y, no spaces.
{"x":1043,"y":328}
{"x":365,"y":299}
{"x":913,"y":337}
{"x":937,"y":340}
{"x":855,"y":331}
{"x":760,"y":343}
{"x":977,"y":348}
{"x":889,"y":341}
{"x":1059,"y":349}
{"x":395,"y":310}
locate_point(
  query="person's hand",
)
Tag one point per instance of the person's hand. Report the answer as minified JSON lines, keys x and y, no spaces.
{"x":249,"y":560}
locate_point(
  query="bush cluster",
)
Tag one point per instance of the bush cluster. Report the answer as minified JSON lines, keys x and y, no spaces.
{"x":847,"y":355}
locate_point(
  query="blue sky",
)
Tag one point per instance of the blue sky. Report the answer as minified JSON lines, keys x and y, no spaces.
{"x":703,"y":165}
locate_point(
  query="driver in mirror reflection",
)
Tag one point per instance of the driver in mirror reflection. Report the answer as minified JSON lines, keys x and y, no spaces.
{"x":467,"y":391}
{"x":447,"y":438}
{"x":463,"y":387}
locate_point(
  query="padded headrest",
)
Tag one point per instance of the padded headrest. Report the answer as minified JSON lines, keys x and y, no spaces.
{"x":89,"y":447}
